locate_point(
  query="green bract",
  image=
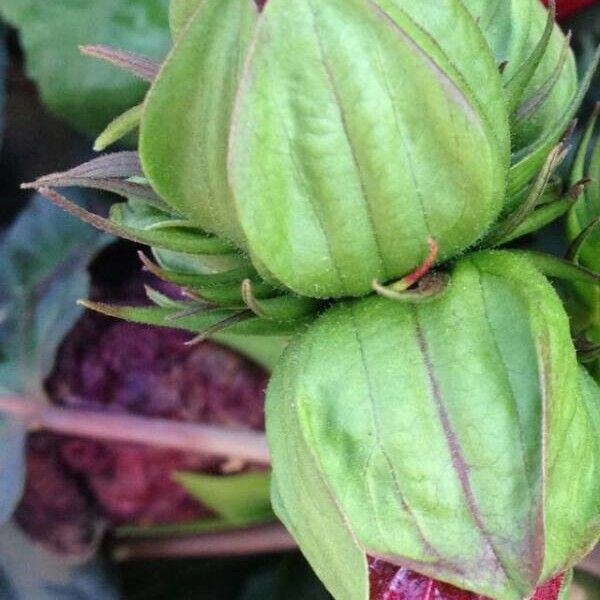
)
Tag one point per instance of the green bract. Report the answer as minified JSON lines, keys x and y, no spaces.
{"x":513,"y":29}
{"x":458,"y":437}
{"x":330,"y":151}
{"x":584,"y":233}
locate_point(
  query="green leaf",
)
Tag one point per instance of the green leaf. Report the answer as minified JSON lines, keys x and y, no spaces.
{"x":311,"y":147}
{"x":42,"y":273}
{"x":238,"y":499}
{"x":139,"y":221}
{"x":516,"y":85}
{"x":27,"y":571}
{"x":196,"y":323}
{"x":43,"y":263}
{"x":153,"y":227}
{"x":174,"y":529}
{"x":508,"y":227}
{"x":184,"y":138}
{"x":527,"y":161}
{"x":559,"y":268}
{"x":542,"y":216}
{"x":12,"y":465}
{"x":85,"y":92}
{"x":418,"y":429}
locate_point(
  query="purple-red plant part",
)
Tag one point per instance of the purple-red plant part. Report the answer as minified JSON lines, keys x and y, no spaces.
{"x":113,"y":366}
{"x":390,"y":582}
{"x":56,"y":508}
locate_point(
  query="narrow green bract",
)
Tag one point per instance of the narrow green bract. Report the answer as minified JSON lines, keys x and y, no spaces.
{"x":513,"y":29}
{"x":583,"y":229}
{"x":448,"y":437}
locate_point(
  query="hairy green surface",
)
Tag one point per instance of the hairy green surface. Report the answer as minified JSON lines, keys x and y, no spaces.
{"x":180,"y":13}
{"x":337,"y":176}
{"x":584,"y":220}
{"x":185,"y":126}
{"x":513,"y":28}
{"x":447,"y":436}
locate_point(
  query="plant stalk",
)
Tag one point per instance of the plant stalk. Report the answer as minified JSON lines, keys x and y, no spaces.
{"x":255,"y":540}
{"x":159,"y":433}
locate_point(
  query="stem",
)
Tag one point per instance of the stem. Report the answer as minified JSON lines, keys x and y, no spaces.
{"x":160,"y":433}
{"x":256,"y":540}
{"x":409,"y":280}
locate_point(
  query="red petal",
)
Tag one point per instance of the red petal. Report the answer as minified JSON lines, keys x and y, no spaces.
{"x":565,"y":8}
{"x":389,"y":582}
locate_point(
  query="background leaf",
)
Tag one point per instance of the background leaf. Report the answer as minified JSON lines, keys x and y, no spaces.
{"x":27,"y":571}
{"x":42,"y":273}
{"x":12,"y":467}
{"x":240,"y":499}
{"x":3,"y":61}
{"x":290,"y":580}
{"x":87,"y":93}
{"x":43,"y":260}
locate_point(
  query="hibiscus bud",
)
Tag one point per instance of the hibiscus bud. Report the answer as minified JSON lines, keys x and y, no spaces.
{"x":330,"y":151}
{"x":324,"y":142}
{"x":440,"y":436}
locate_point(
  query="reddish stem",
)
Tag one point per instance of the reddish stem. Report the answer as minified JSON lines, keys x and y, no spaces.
{"x":412,"y":278}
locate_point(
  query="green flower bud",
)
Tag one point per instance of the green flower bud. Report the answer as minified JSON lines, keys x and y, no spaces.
{"x":332,"y":150}
{"x":457,"y":437}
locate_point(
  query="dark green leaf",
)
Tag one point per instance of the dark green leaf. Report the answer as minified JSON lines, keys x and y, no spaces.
{"x":28,"y":572}
{"x":43,"y":260}
{"x":2,"y":73}
{"x":43,"y":264}
{"x":292,"y":579}
{"x":87,"y":93}
{"x":12,"y":467}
